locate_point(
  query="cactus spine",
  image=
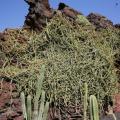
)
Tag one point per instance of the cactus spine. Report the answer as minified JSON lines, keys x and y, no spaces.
{"x":85,"y":100}
{"x":94,"y":114}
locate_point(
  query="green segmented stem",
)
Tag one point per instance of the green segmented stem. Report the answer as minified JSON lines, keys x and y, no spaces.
{"x":29,"y":107}
{"x":94,"y":113}
{"x":23,"y":105}
{"x":41,"y":109}
{"x":85,"y":100}
{"x":46,"y":111}
{"x":38,"y":91}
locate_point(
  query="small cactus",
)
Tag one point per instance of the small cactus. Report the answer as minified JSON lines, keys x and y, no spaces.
{"x":41,"y":109}
{"x":46,"y":108}
{"x":85,"y":100}
{"x":94,"y":114}
{"x":22,"y":96}
{"x":29,"y":107}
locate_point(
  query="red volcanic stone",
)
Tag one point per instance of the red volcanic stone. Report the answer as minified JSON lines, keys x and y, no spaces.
{"x":16,"y":105}
{"x":4,"y":99}
{"x":68,"y":11}
{"x":39,"y":12}
{"x":5,"y":93}
{"x":99,"y":21}
{"x":19,"y":118}
{"x":10,"y":107}
{"x":3,"y":117}
{"x":117,"y":103}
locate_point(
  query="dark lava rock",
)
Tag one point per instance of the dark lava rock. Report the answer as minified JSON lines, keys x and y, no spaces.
{"x":39,"y":14}
{"x":99,"y":21}
{"x":68,"y":11}
{"x":2,"y":37}
{"x":117,"y":26}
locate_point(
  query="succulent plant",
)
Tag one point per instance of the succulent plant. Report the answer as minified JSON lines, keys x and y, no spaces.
{"x":94,"y":113}
{"x":39,"y":113}
{"x":85,"y":100}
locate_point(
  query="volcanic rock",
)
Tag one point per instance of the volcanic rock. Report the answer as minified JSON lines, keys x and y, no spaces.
{"x":2,"y":37}
{"x":10,"y":108}
{"x":39,"y":14}
{"x":99,"y":21}
{"x":117,"y":26}
{"x":68,"y":11}
{"x":117,"y":103}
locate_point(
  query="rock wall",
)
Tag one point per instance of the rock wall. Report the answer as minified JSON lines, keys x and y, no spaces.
{"x":39,"y":13}
{"x":68,"y":11}
{"x":99,"y":21}
{"x":117,"y":26}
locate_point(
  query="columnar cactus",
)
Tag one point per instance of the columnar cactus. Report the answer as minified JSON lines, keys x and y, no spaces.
{"x":29,"y":107}
{"x":38,"y":91}
{"x":85,"y":100}
{"x":41,"y":113}
{"x":94,"y":114}
{"x":23,"y":105}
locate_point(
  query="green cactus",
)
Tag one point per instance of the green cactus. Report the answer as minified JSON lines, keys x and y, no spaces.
{"x":46,"y":108}
{"x":94,"y":113}
{"x":85,"y":100}
{"x":29,"y":107}
{"x":27,"y":110}
{"x":41,"y":113}
{"x":41,"y":109}
{"x":38,"y":91}
{"x":22,"y":96}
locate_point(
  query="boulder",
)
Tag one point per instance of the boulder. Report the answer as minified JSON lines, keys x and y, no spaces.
{"x":68,"y":11}
{"x":2,"y":37}
{"x":99,"y":21}
{"x":117,"y":26}
{"x":39,"y":13}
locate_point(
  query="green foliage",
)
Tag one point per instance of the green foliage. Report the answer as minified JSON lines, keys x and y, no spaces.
{"x":94,"y":113}
{"x":82,"y":20}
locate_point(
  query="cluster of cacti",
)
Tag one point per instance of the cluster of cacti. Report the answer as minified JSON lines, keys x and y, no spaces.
{"x":40,"y":111}
{"x":94,"y":113}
